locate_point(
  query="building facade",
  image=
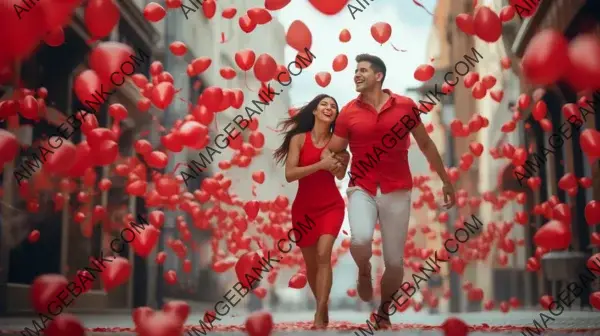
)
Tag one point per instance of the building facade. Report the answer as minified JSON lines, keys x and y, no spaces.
{"x":64,"y":246}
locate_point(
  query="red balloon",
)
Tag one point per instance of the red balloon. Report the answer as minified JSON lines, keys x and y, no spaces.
{"x":154,"y":12}
{"x":107,"y":153}
{"x":298,"y":36}
{"x":116,"y":273}
{"x":592,"y":213}
{"x":178,"y":48}
{"x":540,"y":110}
{"x":259,"y":324}
{"x":251,"y":208}
{"x":274,"y":5}
{"x":191,"y":132}
{"x":211,"y":98}
{"x":55,"y":38}
{"x":297,"y":281}
{"x":245,"y":59}
{"x":61,"y":161}
{"x":162,"y":95}
{"x":381,"y":32}
{"x":246,"y":24}
{"x":584,"y":71}
{"x":101,"y":16}
{"x":590,"y":143}
{"x":265,"y":68}
{"x":44,"y":290}
{"x":145,"y":240}
{"x":487,"y":24}
{"x":329,"y":7}
{"x":345,"y":36}
{"x":323,"y":78}
{"x":546,"y":58}
{"x":507,"y":13}
{"x":259,"y":15}
{"x":9,"y":147}
{"x":22,"y":30}
{"x":340,"y":62}
{"x":110,"y":57}
{"x":256,"y":139}
{"x":464,"y":22}
{"x":554,"y":235}
{"x":65,"y":324}
{"x":86,"y":85}
{"x":424,"y":72}
{"x":209,"y":7}
{"x":244,"y":266}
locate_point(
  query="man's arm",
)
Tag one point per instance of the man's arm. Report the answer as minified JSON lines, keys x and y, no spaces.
{"x":432,"y":154}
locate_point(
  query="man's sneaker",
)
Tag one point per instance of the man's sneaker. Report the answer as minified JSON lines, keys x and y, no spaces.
{"x":364,"y":286}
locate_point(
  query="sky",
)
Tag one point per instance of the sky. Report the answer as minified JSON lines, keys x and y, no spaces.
{"x":410,"y":30}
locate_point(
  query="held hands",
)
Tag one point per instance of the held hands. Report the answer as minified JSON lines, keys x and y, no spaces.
{"x":449,"y":195}
{"x":329,"y":162}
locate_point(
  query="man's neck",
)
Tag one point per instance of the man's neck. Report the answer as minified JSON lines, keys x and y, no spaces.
{"x":375,"y":97}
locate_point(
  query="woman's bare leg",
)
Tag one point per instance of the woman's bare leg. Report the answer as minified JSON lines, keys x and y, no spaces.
{"x":324,"y":278}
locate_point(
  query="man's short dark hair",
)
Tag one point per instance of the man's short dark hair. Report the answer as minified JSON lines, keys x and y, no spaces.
{"x":376,"y":63}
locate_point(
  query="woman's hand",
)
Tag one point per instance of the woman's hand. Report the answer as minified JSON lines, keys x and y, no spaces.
{"x":329,"y":162}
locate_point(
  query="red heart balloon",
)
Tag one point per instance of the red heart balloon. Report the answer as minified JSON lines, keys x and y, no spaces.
{"x":246,"y":24}
{"x":265,"y":68}
{"x":455,"y":327}
{"x":340,"y":62}
{"x":297,"y":281}
{"x":251,"y":208}
{"x":100,"y":17}
{"x":487,"y":24}
{"x":162,"y":95}
{"x":464,"y":22}
{"x":329,"y":7}
{"x":424,"y":72}
{"x":140,"y":314}
{"x":590,"y":143}
{"x":546,"y":58}
{"x":592,"y":213}
{"x":554,"y":235}
{"x":160,"y":324}
{"x":298,"y":36}
{"x":145,"y":240}
{"x":595,"y":300}
{"x":65,"y":325}
{"x":181,"y":309}
{"x":274,"y":5}
{"x":381,"y":32}
{"x":116,"y":273}
{"x":243,"y":269}
{"x":86,"y":85}
{"x":546,"y":301}
{"x":61,"y":161}
{"x":323,"y":78}
{"x":259,"y":324}
{"x":110,"y":57}
{"x":562,"y":212}
{"x":9,"y":146}
{"x":45,"y":289}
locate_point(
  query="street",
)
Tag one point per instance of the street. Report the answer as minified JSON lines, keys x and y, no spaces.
{"x":347,"y":322}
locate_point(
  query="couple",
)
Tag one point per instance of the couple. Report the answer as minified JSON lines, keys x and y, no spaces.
{"x":375,"y":126}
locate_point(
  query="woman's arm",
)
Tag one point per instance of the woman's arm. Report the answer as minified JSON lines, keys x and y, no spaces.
{"x":292,"y":171}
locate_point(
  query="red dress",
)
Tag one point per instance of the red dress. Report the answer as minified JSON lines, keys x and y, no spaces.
{"x":318,"y":207}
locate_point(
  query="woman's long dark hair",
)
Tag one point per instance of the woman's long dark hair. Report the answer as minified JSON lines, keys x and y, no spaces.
{"x":301,"y":122}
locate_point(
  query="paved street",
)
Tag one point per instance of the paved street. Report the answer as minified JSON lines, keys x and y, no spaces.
{"x":346,"y":322}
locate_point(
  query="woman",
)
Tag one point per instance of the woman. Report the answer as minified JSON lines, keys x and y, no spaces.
{"x":318,"y":197}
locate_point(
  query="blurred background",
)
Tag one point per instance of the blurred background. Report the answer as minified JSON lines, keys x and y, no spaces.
{"x":498,"y":265}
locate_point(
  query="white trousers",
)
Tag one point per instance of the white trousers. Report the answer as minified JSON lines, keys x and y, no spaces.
{"x":392,"y":210}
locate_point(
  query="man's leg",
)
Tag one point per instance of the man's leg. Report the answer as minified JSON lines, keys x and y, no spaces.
{"x":394,"y":215}
{"x":362,"y":216}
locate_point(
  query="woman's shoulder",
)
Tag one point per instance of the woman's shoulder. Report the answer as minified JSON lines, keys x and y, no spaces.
{"x":298,"y":138}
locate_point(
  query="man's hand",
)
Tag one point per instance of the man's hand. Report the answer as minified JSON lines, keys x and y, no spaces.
{"x":449,"y":195}
{"x":343,"y":157}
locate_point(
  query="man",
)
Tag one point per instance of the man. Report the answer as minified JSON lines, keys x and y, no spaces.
{"x":376,"y":126}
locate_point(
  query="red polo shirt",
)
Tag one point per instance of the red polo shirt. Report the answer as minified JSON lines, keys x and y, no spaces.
{"x":379,"y":142}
